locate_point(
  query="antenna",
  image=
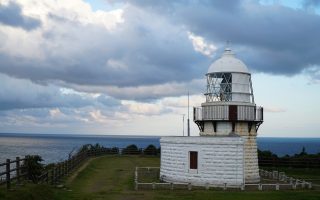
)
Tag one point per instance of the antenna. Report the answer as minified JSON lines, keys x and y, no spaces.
{"x":228,"y":44}
{"x":183,"y":124}
{"x":188,"y":117}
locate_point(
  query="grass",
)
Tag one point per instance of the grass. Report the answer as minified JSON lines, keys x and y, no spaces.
{"x":29,"y":191}
{"x":111,"y":177}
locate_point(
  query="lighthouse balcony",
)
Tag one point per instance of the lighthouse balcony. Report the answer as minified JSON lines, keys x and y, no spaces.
{"x":228,"y":113}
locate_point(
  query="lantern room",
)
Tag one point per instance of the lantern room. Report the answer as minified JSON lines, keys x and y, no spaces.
{"x":228,"y":79}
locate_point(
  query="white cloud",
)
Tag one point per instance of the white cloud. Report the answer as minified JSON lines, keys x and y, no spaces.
{"x":145,"y":108}
{"x":115,"y":70}
{"x":201,"y":45}
{"x":55,"y":112}
{"x":274,"y":109}
{"x":145,"y":92}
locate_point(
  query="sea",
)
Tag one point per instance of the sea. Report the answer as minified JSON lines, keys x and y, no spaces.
{"x":57,"y":147}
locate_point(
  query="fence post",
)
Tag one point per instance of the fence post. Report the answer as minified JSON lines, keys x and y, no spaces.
{"x":189,"y":186}
{"x":207,"y":186}
{"x":277,"y":186}
{"x":71,"y":163}
{"x":8,"y":174}
{"x":64,"y":168}
{"x":18,"y":169}
{"x":52,"y":176}
{"x":242,"y":187}
{"x":67,"y":166}
{"x":59,"y":171}
{"x":136,"y":178}
{"x":47,"y":177}
{"x":153,"y":185}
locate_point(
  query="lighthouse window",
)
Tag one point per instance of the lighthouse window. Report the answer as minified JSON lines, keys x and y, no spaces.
{"x":193,"y":159}
{"x":219,"y":87}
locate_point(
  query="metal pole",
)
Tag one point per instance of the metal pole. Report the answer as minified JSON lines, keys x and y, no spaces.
{"x":188,"y":117}
{"x":183,"y":124}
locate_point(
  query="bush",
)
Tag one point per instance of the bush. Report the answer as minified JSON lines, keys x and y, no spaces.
{"x":131,"y":149}
{"x":113,"y":150}
{"x":33,"y":167}
{"x":150,"y":150}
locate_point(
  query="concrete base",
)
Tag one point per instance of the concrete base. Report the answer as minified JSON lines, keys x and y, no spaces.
{"x":220,"y":160}
{"x":251,"y":160}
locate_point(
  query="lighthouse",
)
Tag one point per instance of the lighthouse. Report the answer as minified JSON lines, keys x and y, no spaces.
{"x":225,"y":152}
{"x":230,"y":108}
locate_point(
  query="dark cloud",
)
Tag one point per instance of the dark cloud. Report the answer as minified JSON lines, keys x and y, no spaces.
{"x":139,"y":52}
{"x":311,"y":3}
{"x":11,"y":15}
{"x":151,"y":46}
{"x":270,"y":38}
{"x":23,"y":94}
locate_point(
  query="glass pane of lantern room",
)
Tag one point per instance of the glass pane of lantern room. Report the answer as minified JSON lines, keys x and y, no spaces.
{"x":225,"y":87}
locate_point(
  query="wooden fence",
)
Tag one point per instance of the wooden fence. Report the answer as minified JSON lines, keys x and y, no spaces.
{"x":13,"y":168}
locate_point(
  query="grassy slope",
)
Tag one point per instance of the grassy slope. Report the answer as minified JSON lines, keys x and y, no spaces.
{"x":111,"y":177}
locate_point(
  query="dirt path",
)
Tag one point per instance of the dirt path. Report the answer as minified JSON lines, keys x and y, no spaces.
{"x":75,"y":174}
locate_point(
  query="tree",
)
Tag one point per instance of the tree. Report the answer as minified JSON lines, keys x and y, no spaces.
{"x":150,"y":150}
{"x":131,"y":149}
{"x":303,"y":152}
{"x":33,"y":167}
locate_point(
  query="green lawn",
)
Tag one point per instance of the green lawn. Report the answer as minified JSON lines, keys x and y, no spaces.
{"x":111,"y":177}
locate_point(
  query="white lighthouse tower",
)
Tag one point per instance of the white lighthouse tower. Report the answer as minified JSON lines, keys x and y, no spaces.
{"x":226,"y":150}
{"x":230,"y":108}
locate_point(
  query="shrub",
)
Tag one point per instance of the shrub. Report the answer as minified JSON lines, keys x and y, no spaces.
{"x":150,"y":150}
{"x":131,"y":149}
{"x":33,"y":167}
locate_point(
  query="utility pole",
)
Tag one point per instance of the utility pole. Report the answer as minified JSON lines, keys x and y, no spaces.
{"x":183,"y":124}
{"x":188,"y":117}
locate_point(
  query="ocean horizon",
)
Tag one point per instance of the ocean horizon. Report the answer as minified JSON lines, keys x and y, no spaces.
{"x":56,"y":147}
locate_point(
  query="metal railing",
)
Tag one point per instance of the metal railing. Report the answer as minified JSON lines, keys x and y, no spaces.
{"x":221,"y":112}
{"x":279,"y":182}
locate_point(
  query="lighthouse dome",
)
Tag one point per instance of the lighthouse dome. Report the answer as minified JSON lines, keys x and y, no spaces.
{"x":228,"y":63}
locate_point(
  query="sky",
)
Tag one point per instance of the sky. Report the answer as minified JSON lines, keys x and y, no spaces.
{"x":125,"y":67}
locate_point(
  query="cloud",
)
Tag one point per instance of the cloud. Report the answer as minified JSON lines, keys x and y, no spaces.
{"x":144,"y":92}
{"x":274,"y":109}
{"x":23,"y":94}
{"x":11,"y":15}
{"x":145,"y":108}
{"x":200,"y":45}
{"x":311,"y":3}
{"x":146,"y":50}
{"x":137,"y":51}
{"x":271,"y":38}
